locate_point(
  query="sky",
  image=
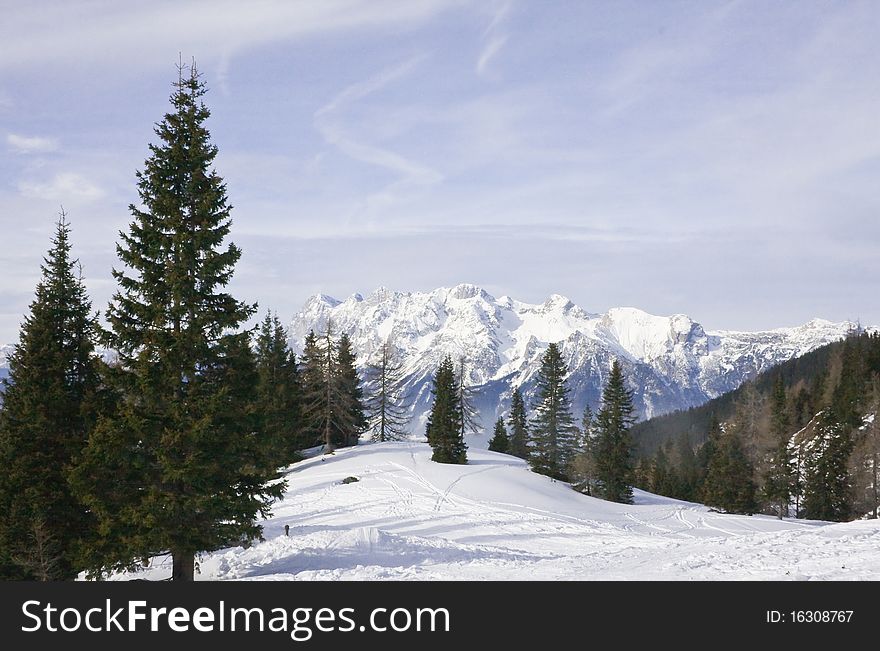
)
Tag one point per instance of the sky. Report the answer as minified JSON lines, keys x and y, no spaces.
{"x":719,"y":159}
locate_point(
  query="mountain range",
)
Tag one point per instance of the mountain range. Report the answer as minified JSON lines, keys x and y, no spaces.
{"x":671,"y":362}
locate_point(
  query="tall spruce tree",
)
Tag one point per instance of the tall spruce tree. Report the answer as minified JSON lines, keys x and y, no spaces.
{"x":387,"y":410}
{"x":552,"y":432}
{"x":519,"y":427}
{"x":278,"y":392}
{"x":353,"y":421}
{"x":779,"y":477}
{"x":827,"y":485}
{"x":730,"y":483}
{"x":48,"y":411}
{"x":444,"y":422}
{"x":313,"y":391}
{"x":499,"y":441}
{"x":613,"y":448}
{"x":181,"y":468}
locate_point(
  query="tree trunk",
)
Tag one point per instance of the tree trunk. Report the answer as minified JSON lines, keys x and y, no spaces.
{"x":183,"y":566}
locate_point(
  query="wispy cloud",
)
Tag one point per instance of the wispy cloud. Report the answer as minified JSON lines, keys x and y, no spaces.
{"x":330,"y":123}
{"x":144,"y":33}
{"x":494,"y":38}
{"x":31,"y":144}
{"x":492,"y":48}
{"x":63,"y":186}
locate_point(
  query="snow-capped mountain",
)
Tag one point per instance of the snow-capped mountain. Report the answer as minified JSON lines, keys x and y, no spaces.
{"x":670,"y":362}
{"x":5,"y":352}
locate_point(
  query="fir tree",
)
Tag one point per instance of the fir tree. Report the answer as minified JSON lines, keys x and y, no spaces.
{"x":278,"y":392}
{"x":313,"y":391}
{"x":353,"y":421}
{"x":827,"y":487}
{"x":443,"y":429}
{"x":730,"y":484}
{"x":779,"y":477}
{"x":613,"y":445}
{"x":660,"y":483}
{"x":387,"y":410}
{"x":552,"y":431}
{"x":499,"y":441}
{"x":333,"y":396}
{"x":181,"y":468}
{"x":519,"y":430}
{"x":48,"y":411}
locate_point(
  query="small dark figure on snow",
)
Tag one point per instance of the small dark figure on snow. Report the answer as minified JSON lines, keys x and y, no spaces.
{"x":286,"y":529}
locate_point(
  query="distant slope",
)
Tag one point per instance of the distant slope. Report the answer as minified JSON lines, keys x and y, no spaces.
{"x":409,"y":518}
{"x":670,"y":362}
{"x":694,"y":422}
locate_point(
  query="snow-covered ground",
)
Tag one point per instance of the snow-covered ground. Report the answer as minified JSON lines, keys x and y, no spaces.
{"x":410,"y":518}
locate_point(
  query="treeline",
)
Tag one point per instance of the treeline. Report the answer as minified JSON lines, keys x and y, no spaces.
{"x":800,"y":440}
{"x":595,"y":455}
{"x":175,"y":445}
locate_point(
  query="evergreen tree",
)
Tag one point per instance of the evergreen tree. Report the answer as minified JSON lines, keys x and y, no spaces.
{"x":519,"y":430}
{"x":444,"y":421}
{"x":387,"y":410}
{"x":333,"y":395}
{"x":278,"y":392}
{"x":779,"y":478}
{"x":730,"y":484}
{"x":48,"y":411}
{"x":469,"y":419}
{"x":827,"y":488}
{"x":705,"y":453}
{"x":182,"y":467}
{"x":313,"y":391}
{"x":353,"y":422}
{"x":552,"y":432}
{"x":499,"y":441}
{"x":687,"y":471}
{"x":660,"y":483}
{"x":613,"y":447}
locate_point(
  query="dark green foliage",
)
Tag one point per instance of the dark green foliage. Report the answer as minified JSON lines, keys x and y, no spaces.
{"x":182,"y":467}
{"x":827,"y":487}
{"x":350,"y":480}
{"x":353,"y":422}
{"x":278,"y":393}
{"x":552,"y":431}
{"x":443,"y":429}
{"x":499,"y":441}
{"x":48,"y":411}
{"x":613,"y":447}
{"x":661,"y":481}
{"x":779,"y":476}
{"x":729,"y":481}
{"x":803,"y":425}
{"x":519,"y":429}
{"x":314,"y":391}
{"x":387,"y":409}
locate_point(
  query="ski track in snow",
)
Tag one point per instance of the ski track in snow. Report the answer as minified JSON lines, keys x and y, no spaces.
{"x":408,"y":518}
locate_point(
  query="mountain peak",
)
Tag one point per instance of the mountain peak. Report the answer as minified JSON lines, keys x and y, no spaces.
{"x":670,"y":361}
{"x":464,"y":291}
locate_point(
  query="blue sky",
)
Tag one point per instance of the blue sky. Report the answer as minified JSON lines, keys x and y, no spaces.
{"x":719,"y":159}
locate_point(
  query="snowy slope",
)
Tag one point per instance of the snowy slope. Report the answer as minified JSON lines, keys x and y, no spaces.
{"x":671,"y":362}
{"x":409,"y":518}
